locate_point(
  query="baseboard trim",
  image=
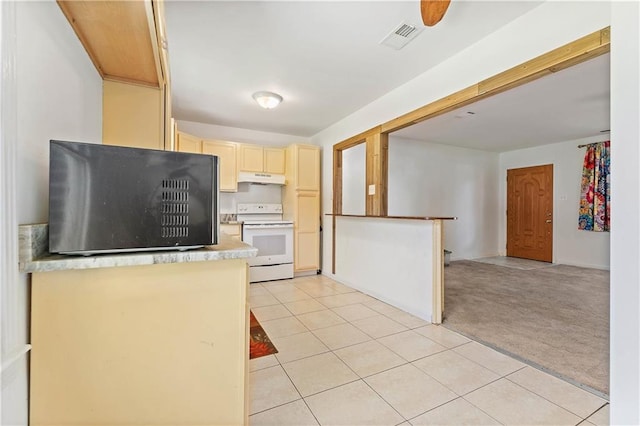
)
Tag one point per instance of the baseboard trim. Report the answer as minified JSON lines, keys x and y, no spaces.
{"x":583,"y":265}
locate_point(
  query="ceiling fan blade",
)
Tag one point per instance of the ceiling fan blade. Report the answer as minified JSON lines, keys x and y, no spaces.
{"x":433,"y":10}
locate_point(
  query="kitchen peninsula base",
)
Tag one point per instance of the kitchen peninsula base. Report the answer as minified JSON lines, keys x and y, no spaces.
{"x":141,"y":345}
{"x":396,"y":259}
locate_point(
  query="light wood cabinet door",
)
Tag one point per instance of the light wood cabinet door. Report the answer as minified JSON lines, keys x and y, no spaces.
{"x":132,"y":115}
{"x":301,"y":203}
{"x":307,"y":231}
{"x":250,"y":158}
{"x":274,"y":160}
{"x":188,"y":143}
{"x":307,"y":168}
{"x":226,"y":152}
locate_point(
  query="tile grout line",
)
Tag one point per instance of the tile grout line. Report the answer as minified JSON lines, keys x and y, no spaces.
{"x":342,"y":347}
{"x":490,"y":416}
{"x":443,"y":384}
{"x":605,"y":404}
{"x":484,"y":366}
{"x":285,"y":403}
{"x":274,"y":407}
{"x":450,"y":401}
{"x":302,"y":397}
{"x":387,"y":402}
{"x":307,"y":356}
{"x":552,"y":402}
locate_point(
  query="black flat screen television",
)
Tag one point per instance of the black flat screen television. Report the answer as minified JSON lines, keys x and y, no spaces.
{"x":115,"y":199}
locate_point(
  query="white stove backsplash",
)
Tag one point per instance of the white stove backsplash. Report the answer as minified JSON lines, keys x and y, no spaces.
{"x":249,"y":193}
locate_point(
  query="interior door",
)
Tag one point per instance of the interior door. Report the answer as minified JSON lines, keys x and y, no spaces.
{"x":530,"y":213}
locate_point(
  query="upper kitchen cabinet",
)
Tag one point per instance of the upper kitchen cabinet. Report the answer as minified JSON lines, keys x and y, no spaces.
{"x":304,"y":170}
{"x":126,"y":42}
{"x":188,"y":143}
{"x":250,"y":158}
{"x":274,"y":160}
{"x":256,"y":158}
{"x":226,"y":152}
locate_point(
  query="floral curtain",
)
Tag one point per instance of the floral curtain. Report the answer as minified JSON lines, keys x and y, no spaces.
{"x":595,"y":194}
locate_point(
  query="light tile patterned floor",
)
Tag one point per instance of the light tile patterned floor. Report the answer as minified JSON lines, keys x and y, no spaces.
{"x":346,"y":358}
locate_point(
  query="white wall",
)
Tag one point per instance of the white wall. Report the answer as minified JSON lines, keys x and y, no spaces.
{"x":354,"y":168}
{"x":547,"y":27}
{"x":427,"y":179}
{"x":570,"y":245}
{"x":235,"y":134}
{"x":363,"y":260}
{"x":625,"y":211}
{"x":58,"y":96}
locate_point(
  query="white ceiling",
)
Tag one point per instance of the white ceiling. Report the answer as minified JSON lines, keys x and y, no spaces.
{"x":568,"y":105}
{"x":323,"y":57}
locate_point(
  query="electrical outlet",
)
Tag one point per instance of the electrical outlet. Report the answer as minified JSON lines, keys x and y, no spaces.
{"x":372,"y":189}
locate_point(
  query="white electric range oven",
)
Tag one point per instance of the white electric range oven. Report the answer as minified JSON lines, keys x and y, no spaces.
{"x":264,"y":229}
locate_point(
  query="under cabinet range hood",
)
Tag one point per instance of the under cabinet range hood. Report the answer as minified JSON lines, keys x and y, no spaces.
{"x":261,"y":178}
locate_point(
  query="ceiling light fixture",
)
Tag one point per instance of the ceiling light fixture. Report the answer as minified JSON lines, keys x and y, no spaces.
{"x":267,"y":100}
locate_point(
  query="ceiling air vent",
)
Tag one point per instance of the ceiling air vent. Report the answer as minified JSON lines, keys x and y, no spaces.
{"x":400,"y":36}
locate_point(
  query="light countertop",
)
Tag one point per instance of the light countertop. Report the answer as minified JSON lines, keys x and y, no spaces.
{"x":34,"y":255}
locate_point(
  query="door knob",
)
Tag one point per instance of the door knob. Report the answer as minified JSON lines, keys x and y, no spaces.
{"x":548,"y":220}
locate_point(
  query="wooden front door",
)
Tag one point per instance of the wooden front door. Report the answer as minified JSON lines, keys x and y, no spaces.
{"x":530,"y":212}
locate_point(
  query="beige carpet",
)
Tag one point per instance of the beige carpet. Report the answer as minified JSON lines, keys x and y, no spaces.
{"x":514,"y":262}
{"x":556,"y":318}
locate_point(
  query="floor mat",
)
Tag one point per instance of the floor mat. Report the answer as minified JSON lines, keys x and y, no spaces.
{"x":259,"y":342}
